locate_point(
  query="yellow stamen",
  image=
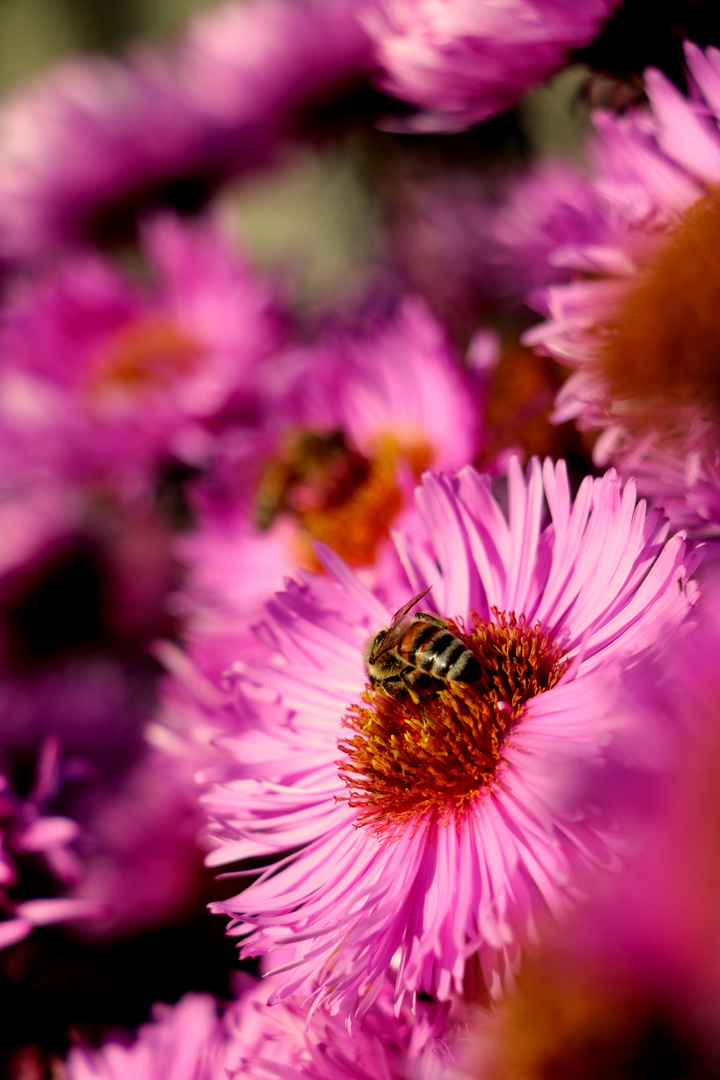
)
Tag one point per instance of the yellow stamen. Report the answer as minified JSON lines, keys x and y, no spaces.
{"x":336,"y":494}
{"x":436,"y":752}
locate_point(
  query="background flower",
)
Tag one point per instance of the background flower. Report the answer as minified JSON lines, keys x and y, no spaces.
{"x":463,"y":62}
{"x":638,"y":321}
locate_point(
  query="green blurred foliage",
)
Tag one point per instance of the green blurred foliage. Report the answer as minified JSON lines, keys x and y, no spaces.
{"x":33,"y":33}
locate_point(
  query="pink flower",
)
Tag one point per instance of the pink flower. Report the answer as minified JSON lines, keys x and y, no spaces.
{"x":436,"y":828}
{"x":98,"y":142}
{"x":83,"y":590}
{"x":266,"y":62}
{"x":464,"y":60}
{"x":106,"y":836}
{"x":182,"y":1042}
{"x":358,"y":416}
{"x":105,"y":380}
{"x":32,"y":835}
{"x":633,"y":978}
{"x":142,"y":862}
{"x":263,"y":1039}
{"x":638,"y":321}
{"x":544,"y":212}
{"x":189,"y":1041}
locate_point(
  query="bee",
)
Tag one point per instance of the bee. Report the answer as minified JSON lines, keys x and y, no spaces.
{"x":313,"y":471}
{"x":417,"y":653}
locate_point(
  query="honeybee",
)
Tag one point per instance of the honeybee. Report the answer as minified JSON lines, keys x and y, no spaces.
{"x":416,"y":653}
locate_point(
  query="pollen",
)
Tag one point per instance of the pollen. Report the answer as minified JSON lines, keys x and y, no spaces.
{"x":337,"y":495}
{"x":143,"y":360}
{"x":433,"y":754}
{"x":664,"y":344}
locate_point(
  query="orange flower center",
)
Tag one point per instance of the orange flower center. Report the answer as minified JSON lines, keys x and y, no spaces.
{"x":336,"y":494}
{"x":665,"y":341}
{"x":144,"y":359}
{"x":436,"y":750}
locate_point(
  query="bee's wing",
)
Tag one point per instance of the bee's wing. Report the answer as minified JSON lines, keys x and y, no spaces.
{"x":398,"y":625}
{"x":401,"y":615}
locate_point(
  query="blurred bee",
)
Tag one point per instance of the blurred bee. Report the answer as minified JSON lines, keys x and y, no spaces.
{"x":313,"y":471}
{"x":416,"y":653}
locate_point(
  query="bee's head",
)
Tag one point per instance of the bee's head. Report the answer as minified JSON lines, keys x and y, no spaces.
{"x":371,"y":650}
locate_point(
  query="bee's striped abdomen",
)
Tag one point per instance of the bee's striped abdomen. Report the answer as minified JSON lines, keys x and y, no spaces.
{"x":437,"y":651}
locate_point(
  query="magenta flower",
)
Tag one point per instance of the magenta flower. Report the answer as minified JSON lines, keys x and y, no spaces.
{"x":105,"y":380}
{"x":267,"y":62}
{"x":263,"y":1039}
{"x":34,"y":836}
{"x":96,"y":145}
{"x":189,"y":1041}
{"x":358,"y":418}
{"x":98,"y":142}
{"x":105,"y":835}
{"x":182,"y":1042}
{"x":141,"y":859}
{"x":436,"y":827}
{"x":632,"y":979}
{"x":638,"y":321}
{"x":464,"y":61}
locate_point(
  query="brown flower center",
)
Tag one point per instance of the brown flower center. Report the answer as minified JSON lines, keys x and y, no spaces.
{"x":336,"y":494}
{"x":435,"y":752}
{"x":665,"y":341}
{"x":144,"y":359}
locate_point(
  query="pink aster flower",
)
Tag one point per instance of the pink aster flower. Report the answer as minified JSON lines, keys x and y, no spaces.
{"x":264,"y":1039}
{"x":465,"y":61}
{"x":359,"y":416}
{"x":267,"y":62}
{"x":182,"y":1042}
{"x":189,"y":1041}
{"x":97,"y":142}
{"x":633,"y":979}
{"x":105,"y":380}
{"x":637,"y":321}
{"x":34,"y":836}
{"x":105,"y":837}
{"x":435,"y":827}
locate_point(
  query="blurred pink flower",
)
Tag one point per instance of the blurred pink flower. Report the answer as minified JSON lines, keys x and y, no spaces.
{"x":105,"y":380}
{"x":638,"y":318}
{"x":409,"y":861}
{"x":465,"y":60}
{"x":266,"y":62}
{"x":142,"y":859}
{"x":106,"y":834}
{"x":182,"y":1042}
{"x":33,"y":836}
{"x":97,"y":144}
{"x":83,"y":590}
{"x":263,"y":1039}
{"x":352,"y":422}
{"x":189,"y":1041}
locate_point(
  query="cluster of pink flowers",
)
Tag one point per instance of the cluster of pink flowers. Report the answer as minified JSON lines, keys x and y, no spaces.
{"x":357,"y":662}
